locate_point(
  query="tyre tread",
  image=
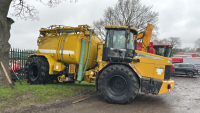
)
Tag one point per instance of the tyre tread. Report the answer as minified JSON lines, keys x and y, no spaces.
{"x":129,"y":72}
{"x":43,"y":66}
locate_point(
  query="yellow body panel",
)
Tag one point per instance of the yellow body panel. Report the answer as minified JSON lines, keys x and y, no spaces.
{"x":150,"y":65}
{"x":51,"y":64}
{"x":146,"y":69}
{"x":164,"y":86}
{"x":58,"y":66}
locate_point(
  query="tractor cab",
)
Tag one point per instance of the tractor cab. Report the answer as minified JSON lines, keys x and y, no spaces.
{"x":163,"y":50}
{"x":119,"y":43}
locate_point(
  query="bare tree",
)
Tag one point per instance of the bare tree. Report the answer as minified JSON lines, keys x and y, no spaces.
{"x":160,"y":42}
{"x":164,"y":41}
{"x":155,"y":40}
{"x":22,"y":10}
{"x":174,"y":41}
{"x":188,"y":49}
{"x":127,"y":12}
{"x":197,"y":50}
{"x":197,"y":43}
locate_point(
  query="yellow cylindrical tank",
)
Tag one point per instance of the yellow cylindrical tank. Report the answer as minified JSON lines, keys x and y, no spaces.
{"x":66,"y":47}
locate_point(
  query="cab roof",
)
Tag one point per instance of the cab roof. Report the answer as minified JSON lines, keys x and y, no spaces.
{"x":120,"y":27}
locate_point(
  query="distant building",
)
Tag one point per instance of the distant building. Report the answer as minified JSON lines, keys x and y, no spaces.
{"x":187,"y":54}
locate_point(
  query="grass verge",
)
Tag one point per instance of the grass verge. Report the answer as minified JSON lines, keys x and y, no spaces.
{"x":26,"y":93}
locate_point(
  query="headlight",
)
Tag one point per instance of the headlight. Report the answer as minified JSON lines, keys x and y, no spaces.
{"x":170,"y":61}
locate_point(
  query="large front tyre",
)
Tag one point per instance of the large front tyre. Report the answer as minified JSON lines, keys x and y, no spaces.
{"x":37,"y":71}
{"x":118,"y":84}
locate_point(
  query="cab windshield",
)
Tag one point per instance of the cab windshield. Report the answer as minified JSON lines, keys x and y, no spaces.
{"x":160,"y":50}
{"x":119,"y":40}
{"x":163,"y":51}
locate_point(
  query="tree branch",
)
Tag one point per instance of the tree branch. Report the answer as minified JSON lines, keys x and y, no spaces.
{"x":25,"y":11}
{"x":131,"y":12}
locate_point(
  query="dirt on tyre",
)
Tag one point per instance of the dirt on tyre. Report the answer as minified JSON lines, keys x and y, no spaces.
{"x":37,"y":71}
{"x":118,"y":84}
{"x":190,"y":74}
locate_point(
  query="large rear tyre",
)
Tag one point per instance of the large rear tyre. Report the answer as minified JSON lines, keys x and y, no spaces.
{"x":37,"y":71}
{"x":118,"y":84}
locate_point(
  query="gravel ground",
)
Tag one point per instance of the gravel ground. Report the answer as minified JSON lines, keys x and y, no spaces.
{"x":184,"y":98}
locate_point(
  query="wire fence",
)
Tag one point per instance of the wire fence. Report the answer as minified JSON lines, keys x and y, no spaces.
{"x":17,"y":59}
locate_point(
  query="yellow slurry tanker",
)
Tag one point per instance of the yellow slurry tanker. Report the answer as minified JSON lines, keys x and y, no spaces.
{"x":69,"y":54}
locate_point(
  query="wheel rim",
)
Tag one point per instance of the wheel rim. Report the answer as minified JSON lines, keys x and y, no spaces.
{"x":190,"y":74}
{"x":34,"y":71}
{"x":117,"y":85}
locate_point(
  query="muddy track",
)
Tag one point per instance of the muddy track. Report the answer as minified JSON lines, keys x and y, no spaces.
{"x":184,"y":98}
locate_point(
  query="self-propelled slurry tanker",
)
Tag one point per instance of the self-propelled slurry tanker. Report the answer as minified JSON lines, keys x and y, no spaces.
{"x":118,"y":69}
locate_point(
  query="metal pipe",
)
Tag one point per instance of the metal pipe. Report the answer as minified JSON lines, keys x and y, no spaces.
{"x":88,"y":55}
{"x":81,"y":61}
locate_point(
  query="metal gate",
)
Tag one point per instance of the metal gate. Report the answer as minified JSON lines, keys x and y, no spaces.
{"x":17,"y":59}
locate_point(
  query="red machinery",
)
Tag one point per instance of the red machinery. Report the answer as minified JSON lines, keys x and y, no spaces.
{"x":162,"y":50}
{"x":18,"y":67}
{"x":177,"y":60}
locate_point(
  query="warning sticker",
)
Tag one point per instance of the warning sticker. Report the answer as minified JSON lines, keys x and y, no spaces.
{"x":159,"y":71}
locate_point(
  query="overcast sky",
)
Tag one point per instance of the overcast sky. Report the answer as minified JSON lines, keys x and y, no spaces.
{"x":177,"y":18}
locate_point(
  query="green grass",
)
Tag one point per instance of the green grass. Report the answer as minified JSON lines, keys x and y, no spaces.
{"x":26,"y":93}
